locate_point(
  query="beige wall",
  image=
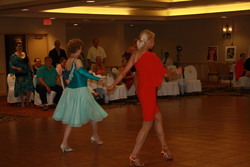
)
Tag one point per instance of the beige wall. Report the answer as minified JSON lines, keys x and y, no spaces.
{"x":111,"y":38}
{"x":193,"y":35}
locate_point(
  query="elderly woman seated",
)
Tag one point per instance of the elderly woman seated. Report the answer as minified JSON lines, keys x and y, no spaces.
{"x":99,"y":68}
{"x":129,"y":78}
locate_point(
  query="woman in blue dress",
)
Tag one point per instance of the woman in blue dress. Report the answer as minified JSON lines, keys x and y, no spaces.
{"x":20,"y":66}
{"x":77,"y":106}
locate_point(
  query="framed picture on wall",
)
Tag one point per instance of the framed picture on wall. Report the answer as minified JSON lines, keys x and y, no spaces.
{"x":212,"y":53}
{"x":230,"y":53}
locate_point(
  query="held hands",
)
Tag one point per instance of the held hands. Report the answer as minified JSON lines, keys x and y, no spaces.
{"x":102,"y":81}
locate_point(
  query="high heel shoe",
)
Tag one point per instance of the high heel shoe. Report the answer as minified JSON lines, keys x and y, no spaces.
{"x":166,"y":153}
{"x":96,"y":140}
{"x":66,"y":148}
{"x":135,"y":161}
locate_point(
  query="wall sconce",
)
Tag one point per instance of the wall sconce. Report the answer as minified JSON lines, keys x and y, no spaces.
{"x":227,"y":31}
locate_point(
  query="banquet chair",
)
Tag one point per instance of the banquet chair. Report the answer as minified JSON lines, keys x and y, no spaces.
{"x":115,"y":71}
{"x":212,"y":70}
{"x":170,"y":88}
{"x":243,"y":82}
{"x":62,"y":82}
{"x":37,"y":99}
{"x":11,"y":79}
{"x":191,"y":83}
{"x":178,"y":79}
{"x":132,"y":90}
{"x":224,"y":73}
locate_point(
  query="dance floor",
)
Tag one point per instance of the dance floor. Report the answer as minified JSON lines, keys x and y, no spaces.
{"x":201,"y":131}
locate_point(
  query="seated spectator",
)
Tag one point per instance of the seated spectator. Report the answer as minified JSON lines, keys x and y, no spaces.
{"x":99,"y":67}
{"x":60,"y":68}
{"x":167,"y":60}
{"x":239,"y":67}
{"x":37,"y":65}
{"x":247,"y":68}
{"x":129,"y":78}
{"x":48,"y":80}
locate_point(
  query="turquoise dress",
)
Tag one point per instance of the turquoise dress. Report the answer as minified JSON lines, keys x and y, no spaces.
{"x":77,"y":106}
{"x":24,"y":81}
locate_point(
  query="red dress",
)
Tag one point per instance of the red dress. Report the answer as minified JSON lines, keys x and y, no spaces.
{"x":150,"y":72}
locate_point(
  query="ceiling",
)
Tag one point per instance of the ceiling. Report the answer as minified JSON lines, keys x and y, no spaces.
{"x":143,"y":10}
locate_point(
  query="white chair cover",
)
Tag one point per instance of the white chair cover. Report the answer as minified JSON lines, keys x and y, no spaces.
{"x":171,"y":67}
{"x":37,"y":99}
{"x":168,"y":89}
{"x":132,"y":90}
{"x":179,"y":79}
{"x":242,"y":82}
{"x":62,"y":83}
{"x":11,"y":79}
{"x":191,"y":83}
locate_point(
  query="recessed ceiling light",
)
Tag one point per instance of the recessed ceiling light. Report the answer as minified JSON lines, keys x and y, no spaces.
{"x":223,"y":17}
{"x":90,"y":1}
{"x":75,"y":24}
{"x":24,"y":10}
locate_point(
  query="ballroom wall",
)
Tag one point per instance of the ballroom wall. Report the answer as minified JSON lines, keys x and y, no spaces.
{"x":193,"y":35}
{"x":27,"y":27}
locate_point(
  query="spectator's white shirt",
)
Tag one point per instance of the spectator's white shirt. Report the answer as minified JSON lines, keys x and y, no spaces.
{"x":93,"y":53}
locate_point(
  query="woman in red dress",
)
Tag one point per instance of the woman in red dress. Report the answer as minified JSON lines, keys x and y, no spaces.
{"x":150,"y":72}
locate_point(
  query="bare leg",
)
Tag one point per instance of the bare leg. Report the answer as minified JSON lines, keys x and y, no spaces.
{"x":66,"y":135}
{"x":159,"y":128}
{"x":22,"y":100}
{"x":94,"y":129}
{"x":95,"y":138}
{"x":141,"y":137}
{"x":28,"y":97}
{"x":161,"y":136}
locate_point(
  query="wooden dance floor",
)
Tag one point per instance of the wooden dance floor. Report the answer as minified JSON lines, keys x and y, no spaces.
{"x":201,"y":131}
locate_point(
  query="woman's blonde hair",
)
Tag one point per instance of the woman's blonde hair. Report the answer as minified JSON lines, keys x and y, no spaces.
{"x":144,"y":36}
{"x":74,"y":45}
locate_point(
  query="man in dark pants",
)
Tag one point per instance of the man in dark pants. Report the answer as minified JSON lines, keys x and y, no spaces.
{"x":57,"y":53}
{"x":48,"y":80}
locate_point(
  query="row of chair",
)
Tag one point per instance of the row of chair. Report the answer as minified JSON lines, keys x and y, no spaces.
{"x":11,"y":79}
{"x":181,"y":85}
{"x":222,"y":72}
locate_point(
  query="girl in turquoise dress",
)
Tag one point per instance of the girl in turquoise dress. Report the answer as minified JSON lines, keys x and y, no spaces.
{"x":77,"y":106}
{"x":20,"y":66}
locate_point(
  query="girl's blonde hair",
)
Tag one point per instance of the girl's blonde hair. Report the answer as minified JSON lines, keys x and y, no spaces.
{"x":144,"y":36}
